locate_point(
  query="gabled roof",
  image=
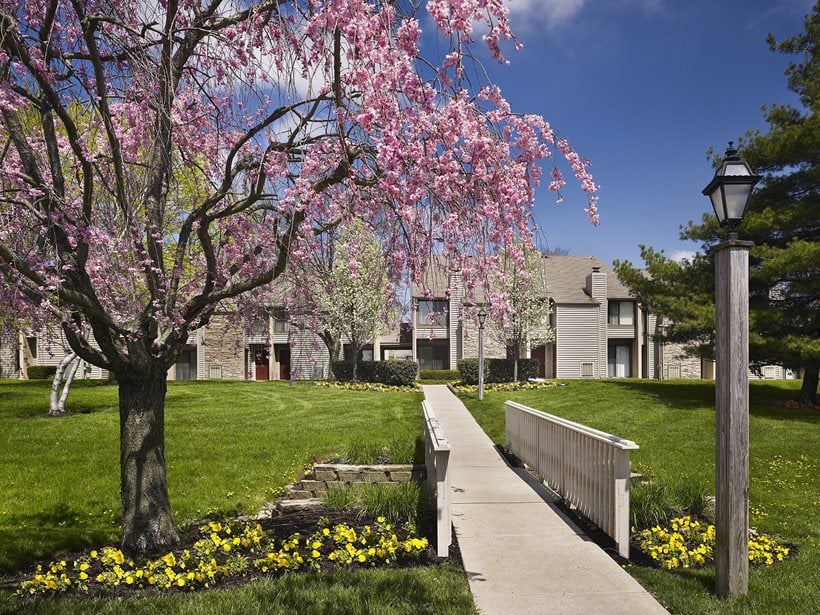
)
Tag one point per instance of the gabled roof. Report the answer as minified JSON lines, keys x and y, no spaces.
{"x":567,"y":275}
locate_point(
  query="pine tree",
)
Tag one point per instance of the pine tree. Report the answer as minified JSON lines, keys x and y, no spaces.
{"x":782,"y":219}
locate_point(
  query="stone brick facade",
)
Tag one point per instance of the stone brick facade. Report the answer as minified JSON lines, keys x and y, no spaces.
{"x":336,"y":475}
{"x":677,"y":365}
{"x":493,"y":349}
{"x":224,"y":347}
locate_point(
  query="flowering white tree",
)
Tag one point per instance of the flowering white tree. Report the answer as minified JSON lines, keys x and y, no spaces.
{"x":345,"y":290}
{"x":182,"y":152}
{"x":519,"y":306}
{"x":359,"y":299}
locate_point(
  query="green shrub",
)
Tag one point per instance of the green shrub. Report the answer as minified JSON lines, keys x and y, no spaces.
{"x":41,"y":372}
{"x":439,"y":374}
{"x":497,"y":370}
{"x":398,"y":450}
{"x":656,"y":502}
{"x":502,"y":370}
{"x":395,"y":373}
{"x":468,"y":371}
{"x":399,"y":503}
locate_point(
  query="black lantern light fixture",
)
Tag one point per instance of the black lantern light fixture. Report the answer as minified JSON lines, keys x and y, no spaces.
{"x":729,"y":190}
{"x":482,"y":317}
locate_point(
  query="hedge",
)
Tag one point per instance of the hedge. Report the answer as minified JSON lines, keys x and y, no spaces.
{"x":468,"y":370}
{"x":41,"y":372}
{"x":439,"y":374}
{"x":397,"y":373}
{"x":497,"y":370}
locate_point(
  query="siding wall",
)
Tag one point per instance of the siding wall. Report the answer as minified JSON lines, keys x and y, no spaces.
{"x":309,"y":358}
{"x":578,"y":332}
{"x":454,"y":319}
{"x":650,"y":346}
{"x":52,"y":347}
{"x":596,"y":286}
{"x":9,"y":354}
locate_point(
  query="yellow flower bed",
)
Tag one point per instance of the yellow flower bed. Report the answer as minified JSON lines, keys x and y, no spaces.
{"x":229,"y":550}
{"x":363,"y":386}
{"x":689,"y":543}
{"x":507,"y":386}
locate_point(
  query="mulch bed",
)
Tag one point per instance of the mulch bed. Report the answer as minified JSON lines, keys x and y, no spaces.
{"x":282,"y":525}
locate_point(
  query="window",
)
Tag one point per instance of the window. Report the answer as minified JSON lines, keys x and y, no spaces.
{"x":433,"y":354}
{"x":280,"y":321}
{"x":365,"y":354}
{"x":587,"y":370}
{"x":621,"y":312}
{"x":433,"y":312}
{"x":619,"y":361}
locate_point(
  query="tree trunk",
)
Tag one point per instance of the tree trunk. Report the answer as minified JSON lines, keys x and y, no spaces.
{"x":54,"y":408}
{"x":333,"y":349}
{"x":808,"y":392}
{"x":147,"y":523}
{"x":355,"y":365}
{"x":72,"y":371}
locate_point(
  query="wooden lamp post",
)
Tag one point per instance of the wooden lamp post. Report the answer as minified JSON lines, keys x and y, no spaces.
{"x":729,"y":192}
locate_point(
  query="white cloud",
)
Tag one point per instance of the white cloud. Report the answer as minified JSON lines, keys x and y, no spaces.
{"x":552,"y":13}
{"x":525,"y":14}
{"x":679,"y":255}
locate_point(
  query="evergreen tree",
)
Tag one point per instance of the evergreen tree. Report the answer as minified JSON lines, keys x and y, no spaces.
{"x":783,"y":220}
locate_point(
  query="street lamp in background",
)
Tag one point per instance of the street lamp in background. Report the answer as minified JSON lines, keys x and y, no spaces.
{"x":482,"y":316}
{"x":729,"y":192}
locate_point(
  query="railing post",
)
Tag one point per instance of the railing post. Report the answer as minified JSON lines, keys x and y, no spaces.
{"x":436,"y":461}
{"x":622,"y":502}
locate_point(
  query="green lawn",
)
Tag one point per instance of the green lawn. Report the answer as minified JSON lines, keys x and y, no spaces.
{"x":230,"y":447}
{"x":673,"y":422}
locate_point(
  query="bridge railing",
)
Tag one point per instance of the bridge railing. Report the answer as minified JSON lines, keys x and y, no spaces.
{"x":436,"y":459}
{"x":587,"y":467}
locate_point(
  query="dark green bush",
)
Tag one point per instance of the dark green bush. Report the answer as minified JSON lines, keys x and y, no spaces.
{"x":396,"y":373}
{"x":468,"y":371}
{"x":497,"y":370}
{"x":501,"y":370}
{"x":439,"y":374}
{"x":41,"y":372}
{"x":342,"y":370}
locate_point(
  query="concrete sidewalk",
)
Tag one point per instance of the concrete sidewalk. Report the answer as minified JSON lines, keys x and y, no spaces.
{"x":522,"y":556}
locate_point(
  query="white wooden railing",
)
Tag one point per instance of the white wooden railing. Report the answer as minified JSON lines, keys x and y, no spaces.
{"x":436,"y":459}
{"x":587,"y":467}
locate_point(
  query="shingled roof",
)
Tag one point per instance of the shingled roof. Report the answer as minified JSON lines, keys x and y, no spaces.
{"x":566,"y":279}
{"x":565,"y":275}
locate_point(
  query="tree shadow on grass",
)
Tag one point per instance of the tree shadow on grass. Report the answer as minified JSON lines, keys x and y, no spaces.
{"x":31,"y":537}
{"x":765,"y":399}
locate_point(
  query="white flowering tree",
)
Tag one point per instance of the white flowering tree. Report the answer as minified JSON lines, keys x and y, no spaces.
{"x":520,"y":306}
{"x":346,"y":290}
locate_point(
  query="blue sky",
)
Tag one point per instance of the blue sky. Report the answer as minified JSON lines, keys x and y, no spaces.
{"x":642,"y":88}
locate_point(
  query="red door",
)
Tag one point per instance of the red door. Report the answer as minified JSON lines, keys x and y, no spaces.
{"x":261,"y":360}
{"x":283,"y":358}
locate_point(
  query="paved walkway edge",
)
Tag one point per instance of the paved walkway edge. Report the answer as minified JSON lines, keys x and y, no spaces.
{"x":522,"y":556}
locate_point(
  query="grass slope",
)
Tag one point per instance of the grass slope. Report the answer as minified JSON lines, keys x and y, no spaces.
{"x":418,"y":591}
{"x":673,"y":422}
{"x":230,"y":447}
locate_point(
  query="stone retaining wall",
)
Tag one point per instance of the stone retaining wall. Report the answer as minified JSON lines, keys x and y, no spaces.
{"x":328,"y":475}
